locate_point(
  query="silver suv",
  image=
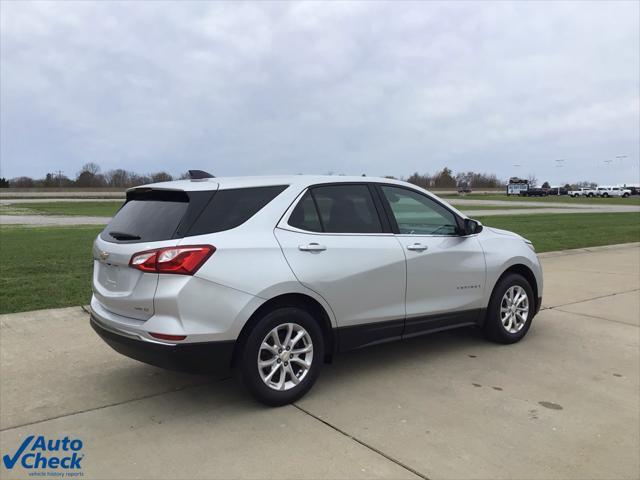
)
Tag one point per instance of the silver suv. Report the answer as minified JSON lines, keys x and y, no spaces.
{"x":274,"y":275}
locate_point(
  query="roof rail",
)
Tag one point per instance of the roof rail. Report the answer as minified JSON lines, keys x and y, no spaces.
{"x":199,"y":174}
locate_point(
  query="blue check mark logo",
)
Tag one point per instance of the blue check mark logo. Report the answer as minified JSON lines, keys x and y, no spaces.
{"x":10,"y":462}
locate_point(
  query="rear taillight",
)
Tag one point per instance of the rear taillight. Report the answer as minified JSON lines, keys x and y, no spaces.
{"x":179,"y":260}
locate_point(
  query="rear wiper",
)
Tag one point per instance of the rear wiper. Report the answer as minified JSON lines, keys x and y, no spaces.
{"x":124,"y":236}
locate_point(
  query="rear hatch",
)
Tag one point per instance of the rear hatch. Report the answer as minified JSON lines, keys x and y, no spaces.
{"x":150,"y":218}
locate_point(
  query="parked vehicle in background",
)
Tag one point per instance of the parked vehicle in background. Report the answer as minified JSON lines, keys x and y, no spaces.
{"x":464,"y":188}
{"x":557,"y":191}
{"x":633,"y":189}
{"x":517,"y":185}
{"x":274,"y":275}
{"x":606,"y":192}
{"x":582,"y":192}
{"x":534,"y":192}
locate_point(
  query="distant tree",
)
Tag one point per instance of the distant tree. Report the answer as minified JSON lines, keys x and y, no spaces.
{"x":567,"y":186}
{"x":478,"y":180}
{"x":21,"y":182}
{"x":184,"y":176}
{"x":89,"y":176}
{"x":585,"y":184}
{"x":135,"y":179}
{"x":161,"y":177}
{"x":546,"y":185}
{"x":533,"y":181}
{"x":117,"y":178}
{"x":4,"y":183}
{"x":444,"y":179}
{"x":391,"y":177}
{"x":424,"y":181}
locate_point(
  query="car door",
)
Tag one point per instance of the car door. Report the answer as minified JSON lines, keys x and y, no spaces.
{"x":339,"y":244}
{"x":445,"y":270}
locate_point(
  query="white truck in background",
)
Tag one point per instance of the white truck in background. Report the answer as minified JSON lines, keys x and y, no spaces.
{"x":606,"y":192}
{"x":582,"y":192}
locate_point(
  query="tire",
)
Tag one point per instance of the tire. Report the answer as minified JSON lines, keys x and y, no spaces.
{"x":494,"y":328}
{"x":605,"y":195}
{"x":625,"y":195}
{"x":277,"y":390}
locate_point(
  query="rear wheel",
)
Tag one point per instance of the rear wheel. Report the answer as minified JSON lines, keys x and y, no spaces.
{"x":511,"y":310}
{"x":605,"y":195}
{"x":282,"y":356}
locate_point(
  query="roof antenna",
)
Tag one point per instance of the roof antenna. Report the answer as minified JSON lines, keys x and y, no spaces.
{"x":199,"y":174}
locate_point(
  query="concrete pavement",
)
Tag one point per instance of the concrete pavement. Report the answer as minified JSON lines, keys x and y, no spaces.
{"x":563,"y":403}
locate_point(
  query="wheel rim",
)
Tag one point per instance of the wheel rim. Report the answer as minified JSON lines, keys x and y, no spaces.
{"x":285,"y":356}
{"x":514,"y":309}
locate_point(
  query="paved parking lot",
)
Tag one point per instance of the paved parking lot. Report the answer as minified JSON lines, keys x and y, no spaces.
{"x":564,"y":403}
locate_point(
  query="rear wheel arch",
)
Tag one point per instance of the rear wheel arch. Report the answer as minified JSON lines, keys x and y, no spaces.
{"x":298,"y":300}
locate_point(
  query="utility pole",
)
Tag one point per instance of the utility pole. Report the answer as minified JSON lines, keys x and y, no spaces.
{"x":59,"y":178}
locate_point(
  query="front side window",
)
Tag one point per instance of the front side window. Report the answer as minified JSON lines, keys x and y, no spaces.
{"x":337,"y":209}
{"x":417,"y":214}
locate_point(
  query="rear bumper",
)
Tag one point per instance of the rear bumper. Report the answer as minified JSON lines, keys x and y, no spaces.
{"x":207,"y":357}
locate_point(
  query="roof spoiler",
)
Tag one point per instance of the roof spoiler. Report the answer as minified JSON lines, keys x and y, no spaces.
{"x":199,"y":174}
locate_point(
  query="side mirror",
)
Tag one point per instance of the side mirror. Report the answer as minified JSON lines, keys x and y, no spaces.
{"x":472,"y":226}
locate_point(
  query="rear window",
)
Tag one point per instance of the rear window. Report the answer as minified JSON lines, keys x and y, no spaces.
{"x":155,"y":215}
{"x":231,"y":208}
{"x":147,"y":216}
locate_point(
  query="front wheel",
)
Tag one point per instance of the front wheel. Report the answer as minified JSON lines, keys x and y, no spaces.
{"x":605,"y":195}
{"x":511,"y":310}
{"x":282,"y":356}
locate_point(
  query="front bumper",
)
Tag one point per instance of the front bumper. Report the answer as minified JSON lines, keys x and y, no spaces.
{"x":206,"y":357}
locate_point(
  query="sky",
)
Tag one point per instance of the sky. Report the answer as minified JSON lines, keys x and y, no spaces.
{"x":380,"y":88}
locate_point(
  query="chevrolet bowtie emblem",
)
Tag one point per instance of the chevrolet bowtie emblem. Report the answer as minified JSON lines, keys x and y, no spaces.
{"x":104,"y":255}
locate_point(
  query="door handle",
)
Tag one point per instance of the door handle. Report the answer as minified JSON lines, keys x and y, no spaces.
{"x":417,"y":247}
{"x":312,"y":247}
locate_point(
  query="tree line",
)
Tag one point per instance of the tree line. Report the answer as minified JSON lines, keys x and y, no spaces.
{"x":91,"y":176}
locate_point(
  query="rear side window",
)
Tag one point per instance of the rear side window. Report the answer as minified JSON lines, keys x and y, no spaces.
{"x":147,"y":216}
{"x":340,"y":209}
{"x":231,"y":208}
{"x":305,"y":216}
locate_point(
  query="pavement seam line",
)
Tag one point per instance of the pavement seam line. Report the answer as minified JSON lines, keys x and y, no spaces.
{"x":598,"y":318}
{"x":364,"y":444}
{"x":116,"y":404}
{"x":590,"y":299}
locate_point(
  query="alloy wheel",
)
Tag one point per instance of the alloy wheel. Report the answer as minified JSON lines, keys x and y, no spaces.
{"x":285,"y":356}
{"x":514,"y":309}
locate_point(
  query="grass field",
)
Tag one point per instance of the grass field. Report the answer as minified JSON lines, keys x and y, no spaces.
{"x":49,"y":267}
{"x":90,"y":209}
{"x":551,"y":199}
{"x":465,"y":208}
{"x":45,"y":267}
{"x":550,"y":232}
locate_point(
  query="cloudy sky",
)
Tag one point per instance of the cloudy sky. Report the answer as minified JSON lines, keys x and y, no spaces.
{"x":345,"y":87}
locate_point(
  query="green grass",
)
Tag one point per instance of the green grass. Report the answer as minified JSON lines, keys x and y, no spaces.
{"x":90,"y":209}
{"x":550,"y":232}
{"x":50,"y":267}
{"x":551,"y":199}
{"x":494,"y":207}
{"x":45,"y":267}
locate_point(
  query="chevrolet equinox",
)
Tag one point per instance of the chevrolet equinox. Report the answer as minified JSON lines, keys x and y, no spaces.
{"x":274,"y":275}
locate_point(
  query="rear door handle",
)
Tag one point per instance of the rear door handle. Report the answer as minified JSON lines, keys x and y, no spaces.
{"x":417,"y":247}
{"x":312,"y":247}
